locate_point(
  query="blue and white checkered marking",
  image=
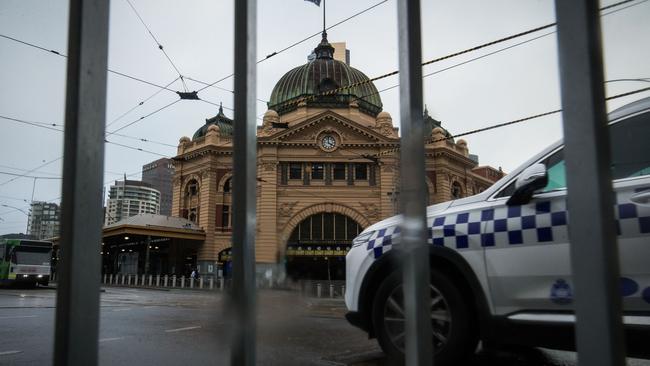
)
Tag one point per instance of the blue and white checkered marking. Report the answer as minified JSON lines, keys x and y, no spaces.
{"x":543,"y":222}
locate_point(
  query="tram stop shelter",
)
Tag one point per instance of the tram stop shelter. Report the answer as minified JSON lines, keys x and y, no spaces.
{"x":151,"y":244}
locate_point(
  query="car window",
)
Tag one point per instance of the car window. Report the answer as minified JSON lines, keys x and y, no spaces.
{"x":556,"y":175}
{"x":555,"y":171}
{"x":631,"y":147}
{"x":630,"y":155}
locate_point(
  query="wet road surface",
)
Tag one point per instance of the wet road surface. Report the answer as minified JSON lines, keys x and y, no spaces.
{"x":185,"y":327}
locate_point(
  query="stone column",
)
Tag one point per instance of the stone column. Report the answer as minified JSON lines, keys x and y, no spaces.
{"x":266,"y":246}
{"x":207,"y":253}
{"x":387,"y":174}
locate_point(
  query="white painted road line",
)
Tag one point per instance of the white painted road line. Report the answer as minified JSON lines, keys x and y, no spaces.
{"x":121,"y":309}
{"x":18,"y":316}
{"x":9,"y":353}
{"x":110,"y":339}
{"x":182,"y":329}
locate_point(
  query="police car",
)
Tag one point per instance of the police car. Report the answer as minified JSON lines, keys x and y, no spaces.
{"x":500,"y":261}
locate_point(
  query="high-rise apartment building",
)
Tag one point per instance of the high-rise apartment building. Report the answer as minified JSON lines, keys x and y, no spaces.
{"x":159,"y":174}
{"x":43,"y":220}
{"x":129,"y":198}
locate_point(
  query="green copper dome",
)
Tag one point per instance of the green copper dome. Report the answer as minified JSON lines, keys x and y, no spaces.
{"x":220,"y":120}
{"x":320,"y":75}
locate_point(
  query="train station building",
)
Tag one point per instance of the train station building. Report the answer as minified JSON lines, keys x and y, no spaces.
{"x":328,"y":167}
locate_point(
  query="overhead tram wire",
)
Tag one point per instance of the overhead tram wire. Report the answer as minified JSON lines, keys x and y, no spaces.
{"x":29,"y":176}
{"x":219,"y":105}
{"x":135,"y":148}
{"x":206,"y":85}
{"x":140,"y":103}
{"x":439,"y":59}
{"x":25,"y":170}
{"x":512,"y":122}
{"x":31,"y":170}
{"x":51,"y":126}
{"x":224,"y":89}
{"x":507,"y":48}
{"x":160,"y":46}
{"x":297,"y":43}
{"x":143,"y":117}
{"x":65,"y":56}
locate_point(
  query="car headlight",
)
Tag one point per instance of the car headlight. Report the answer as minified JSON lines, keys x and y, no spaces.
{"x":362,"y":239}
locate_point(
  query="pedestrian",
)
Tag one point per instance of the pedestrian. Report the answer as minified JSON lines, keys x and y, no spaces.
{"x":193,"y":275}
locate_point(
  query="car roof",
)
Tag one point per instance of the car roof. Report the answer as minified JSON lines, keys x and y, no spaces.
{"x":622,"y":112}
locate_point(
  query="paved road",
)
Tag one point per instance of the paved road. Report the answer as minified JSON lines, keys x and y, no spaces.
{"x":152,"y":327}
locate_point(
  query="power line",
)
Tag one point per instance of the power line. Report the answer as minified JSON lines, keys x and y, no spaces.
{"x":135,"y":148}
{"x":223,"y":89}
{"x":29,"y":176}
{"x":160,"y":46}
{"x":47,"y":126}
{"x":298,"y":42}
{"x":439,"y":59}
{"x":143,"y":117}
{"x":516,"y":121}
{"x":31,"y":170}
{"x":65,"y":56}
{"x":512,"y":46}
{"x":140,"y":103}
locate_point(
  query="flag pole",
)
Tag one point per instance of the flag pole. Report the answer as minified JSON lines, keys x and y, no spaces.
{"x":323,"y":16}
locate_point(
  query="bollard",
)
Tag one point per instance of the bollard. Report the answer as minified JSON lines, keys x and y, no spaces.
{"x":192,"y":282}
{"x":165,"y":281}
{"x":343,"y":290}
{"x":201,"y":283}
{"x":182,"y":281}
{"x":174,"y":281}
{"x":211,"y":283}
{"x":221,"y":283}
{"x":157,"y":280}
{"x":128,"y":280}
{"x":318,"y":290}
{"x":150,"y":280}
{"x":331,"y":291}
{"x":110,"y":279}
{"x":143,"y":279}
{"x":104,"y":279}
{"x":123,"y":279}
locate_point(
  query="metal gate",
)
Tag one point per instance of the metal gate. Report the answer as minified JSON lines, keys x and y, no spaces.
{"x":595,"y":264}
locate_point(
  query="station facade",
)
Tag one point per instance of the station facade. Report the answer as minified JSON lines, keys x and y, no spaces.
{"x":328,"y":167}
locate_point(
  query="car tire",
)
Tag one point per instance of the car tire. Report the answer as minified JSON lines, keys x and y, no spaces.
{"x":454,"y":331}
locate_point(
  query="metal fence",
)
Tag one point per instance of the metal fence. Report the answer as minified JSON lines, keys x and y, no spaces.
{"x":594,"y":260}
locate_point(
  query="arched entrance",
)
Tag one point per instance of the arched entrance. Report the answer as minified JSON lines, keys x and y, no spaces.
{"x":317,"y":246}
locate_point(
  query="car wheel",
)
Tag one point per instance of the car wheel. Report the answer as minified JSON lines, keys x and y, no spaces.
{"x":454,"y":335}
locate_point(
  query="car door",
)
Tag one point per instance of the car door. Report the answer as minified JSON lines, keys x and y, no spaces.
{"x":527,"y":249}
{"x":526,"y":246}
{"x":631,"y":173}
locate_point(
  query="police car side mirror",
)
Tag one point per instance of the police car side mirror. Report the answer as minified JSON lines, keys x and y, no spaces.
{"x":530,"y":180}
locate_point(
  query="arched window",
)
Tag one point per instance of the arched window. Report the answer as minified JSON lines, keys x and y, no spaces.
{"x":192,"y":188}
{"x":456,"y":190}
{"x":226,"y":185}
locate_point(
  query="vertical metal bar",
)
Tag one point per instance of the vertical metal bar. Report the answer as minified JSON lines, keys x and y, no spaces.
{"x":244,"y":179}
{"x":419,"y":342}
{"x":594,"y":250}
{"x":77,"y":307}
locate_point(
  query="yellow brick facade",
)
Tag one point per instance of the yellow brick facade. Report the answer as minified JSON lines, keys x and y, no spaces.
{"x":297,"y":138}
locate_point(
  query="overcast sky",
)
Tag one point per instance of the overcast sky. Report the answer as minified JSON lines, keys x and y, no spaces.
{"x":198,"y":37}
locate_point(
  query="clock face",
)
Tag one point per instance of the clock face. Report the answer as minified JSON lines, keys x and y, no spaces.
{"x":328,"y":142}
